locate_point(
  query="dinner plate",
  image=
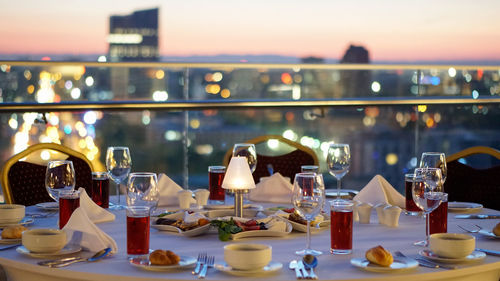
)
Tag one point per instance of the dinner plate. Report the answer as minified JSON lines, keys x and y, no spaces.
{"x":221,"y":207}
{"x":464,"y":207}
{"x":4,"y":241}
{"x":51,"y":206}
{"x":68,"y":249}
{"x":144,"y":263}
{"x":247,"y":213}
{"x":303,"y":227}
{"x":189,"y":233}
{"x":264,"y":233}
{"x":272,"y":267}
{"x":399,"y":264}
{"x":24,"y":221}
{"x":474,"y":256}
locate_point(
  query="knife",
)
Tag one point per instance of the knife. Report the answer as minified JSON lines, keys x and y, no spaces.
{"x":303,"y":269}
{"x":489,"y":252}
{"x":477,"y":216}
{"x":10,"y":246}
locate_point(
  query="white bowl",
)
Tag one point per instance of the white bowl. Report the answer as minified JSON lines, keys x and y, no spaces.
{"x":44,"y":240}
{"x":452,"y":245}
{"x":11,"y":213}
{"x":247,"y":256}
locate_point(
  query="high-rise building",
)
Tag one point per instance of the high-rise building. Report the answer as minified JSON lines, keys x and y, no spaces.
{"x":355,"y":83}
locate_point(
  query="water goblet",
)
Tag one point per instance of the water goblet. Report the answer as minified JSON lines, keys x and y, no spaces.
{"x":338,"y":160}
{"x":60,"y":175}
{"x":142,"y":190}
{"x":435,"y":160}
{"x":246,"y":150}
{"x":118,"y":164}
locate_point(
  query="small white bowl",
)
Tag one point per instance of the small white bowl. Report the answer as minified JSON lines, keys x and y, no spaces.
{"x":247,"y":256}
{"x":452,"y":245}
{"x":44,"y":240}
{"x":11,"y":213}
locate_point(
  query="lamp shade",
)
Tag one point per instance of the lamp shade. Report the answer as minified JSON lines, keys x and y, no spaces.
{"x":238,"y":175}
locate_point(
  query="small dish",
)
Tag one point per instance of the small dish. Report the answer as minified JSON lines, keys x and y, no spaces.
{"x":303,"y":227}
{"x":68,"y":249}
{"x":265,"y":233}
{"x":144,"y":263}
{"x":50,"y":206}
{"x":464,"y":207}
{"x":272,"y":267}
{"x":11,"y":213}
{"x":24,"y":221}
{"x":189,"y":233}
{"x":4,"y":241}
{"x":399,"y":264}
{"x":474,"y":256}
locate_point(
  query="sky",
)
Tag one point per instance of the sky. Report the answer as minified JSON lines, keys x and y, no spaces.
{"x":392,"y":30}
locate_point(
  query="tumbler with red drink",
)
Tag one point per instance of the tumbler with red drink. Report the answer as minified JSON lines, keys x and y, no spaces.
{"x":69,"y":201}
{"x":215,"y":177}
{"x":341,"y":226}
{"x":137,"y":231}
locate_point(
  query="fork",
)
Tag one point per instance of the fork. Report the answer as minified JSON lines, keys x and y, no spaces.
{"x":202,"y":258}
{"x":471,"y":230}
{"x":206,"y":265}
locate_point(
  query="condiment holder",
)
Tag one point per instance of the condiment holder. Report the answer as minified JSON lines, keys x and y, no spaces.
{"x":184,"y":197}
{"x":380,"y":212}
{"x":364,"y":212}
{"x":387,"y":214}
{"x":355,"y":215}
{"x":201,"y":196}
{"x":391,"y":215}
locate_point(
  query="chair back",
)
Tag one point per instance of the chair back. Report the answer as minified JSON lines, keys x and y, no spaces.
{"x":23,"y":182}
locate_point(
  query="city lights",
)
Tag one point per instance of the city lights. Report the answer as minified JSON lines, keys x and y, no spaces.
{"x":273,"y":143}
{"x":376,"y":87}
{"x":160,"y":96}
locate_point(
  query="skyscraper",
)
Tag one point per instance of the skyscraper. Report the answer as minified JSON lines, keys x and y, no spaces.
{"x":355,"y":83}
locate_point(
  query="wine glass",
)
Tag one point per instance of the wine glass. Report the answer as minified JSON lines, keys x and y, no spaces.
{"x":142,"y":190}
{"x":338,"y":160}
{"x":60,"y":175}
{"x":427,"y":192}
{"x":435,"y":160}
{"x":118,"y":164}
{"x":307,"y":198}
{"x":315,"y":169}
{"x":246,"y":150}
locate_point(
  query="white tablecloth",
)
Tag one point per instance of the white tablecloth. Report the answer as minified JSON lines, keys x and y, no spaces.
{"x":331,"y":267}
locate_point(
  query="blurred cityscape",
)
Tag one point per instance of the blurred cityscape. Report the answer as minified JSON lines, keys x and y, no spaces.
{"x":384,"y":140}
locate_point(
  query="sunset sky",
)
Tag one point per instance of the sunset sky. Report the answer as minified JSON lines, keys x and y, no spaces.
{"x":390,"y":29}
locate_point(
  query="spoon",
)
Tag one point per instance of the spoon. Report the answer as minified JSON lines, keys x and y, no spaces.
{"x":64,"y":262}
{"x":310,"y":262}
{"x":293,"y":265}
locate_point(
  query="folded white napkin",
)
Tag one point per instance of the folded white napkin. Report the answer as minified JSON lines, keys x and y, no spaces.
{"x":80,"y":230}
{"x":95,"y":213}
{"x":168,"y":191}
{"x":276,"y":189}
{"x":379,"y":190}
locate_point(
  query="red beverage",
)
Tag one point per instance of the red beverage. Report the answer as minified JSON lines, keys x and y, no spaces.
{"x":68,"y":202}
{"x":137,"y":235}
{"x":410,"y":204}
{"x":341,"y":230}
{"x":100,"y":189}
{"x":438,"y":219}
{"x":215,"y":178}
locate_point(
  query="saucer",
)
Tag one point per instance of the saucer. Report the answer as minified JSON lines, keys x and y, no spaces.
{"x":464,"y":207}
{"x":273,"y":266}
{"x":5,"y":241}
{"x":145,"y":264}
{"x":474,"y":256}
{"x":399,"y":264}
{"x":68,"y":249}
{"x":50,"y":206}
{"x":24,"y":221}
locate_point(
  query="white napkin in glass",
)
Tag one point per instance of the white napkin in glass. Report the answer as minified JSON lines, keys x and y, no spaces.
{"x":168,"y":191}
{"x":80,"y":230}
{"x":379,"y":190}
{"x":96,"y":213}
{"x":276,"y":189}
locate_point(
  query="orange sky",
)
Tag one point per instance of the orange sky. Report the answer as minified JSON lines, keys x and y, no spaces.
{"x":389,"y":29}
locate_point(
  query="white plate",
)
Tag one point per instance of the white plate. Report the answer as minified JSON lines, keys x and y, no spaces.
{"x":399,"y":264}
{"x":189,"y":233}
{"x":52,"y":206}
{"x":68,"y":249}
{"x":264,"y":233}
{"x":145,"y":264}
{"x":464,"y":207}
{"x":247,"y":213}
{"x":303,"y":227}
{"x":474,"y":256}
{"x":9,"y":241}
{"x":25,"y":221}
{"x":221,"y":207}
{"x":270,"y":268}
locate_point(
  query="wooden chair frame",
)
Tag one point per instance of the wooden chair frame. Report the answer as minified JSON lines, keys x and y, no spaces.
{"x":474,"y":150}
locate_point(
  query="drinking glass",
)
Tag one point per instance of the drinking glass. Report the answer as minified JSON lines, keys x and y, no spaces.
{"x":118,"y":164}
{"x":427,"y":193}
{"x":142,"y":190}
{"x":60,"y":175}
{"x":215,"y":177}
{"x":438,"y":219}
{"x":435,"y":160}
{"x":338,"y":160}
{"x":137,"y":231}
{"x":246,"y":150}
{"x":307,"y":198}
{"x":69,"y":201}
{"x":100,"y":189}
{"x":315,"y":169}
{"x":341,"y":219}
{"x":411,"y":208}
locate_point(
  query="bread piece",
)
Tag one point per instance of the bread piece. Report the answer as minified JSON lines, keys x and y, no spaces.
{"x":13,"y":232}
{"x":379,"y":255}
{"x":159,"y":257}
{"x":174,"y":259}
{"x":496,"y":229}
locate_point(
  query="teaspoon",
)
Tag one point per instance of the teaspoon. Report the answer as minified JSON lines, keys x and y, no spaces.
{"x":310,"y":262}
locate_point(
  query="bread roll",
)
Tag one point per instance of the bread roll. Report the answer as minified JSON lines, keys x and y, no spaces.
{"x":13,"y":232}
{"x":496,"y":229}
{"x":379,"y":255}
{"x":161,"y":257}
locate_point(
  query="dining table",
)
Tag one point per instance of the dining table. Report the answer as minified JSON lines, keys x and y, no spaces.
{"x":17,"y":266}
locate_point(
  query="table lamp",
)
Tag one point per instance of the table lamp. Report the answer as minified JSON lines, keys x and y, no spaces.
{"x":239,"y":179}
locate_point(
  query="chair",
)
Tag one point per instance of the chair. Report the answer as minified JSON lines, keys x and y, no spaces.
{"x":465,"y":183}
{"x":23,"y":175}
{"x":287,"y":164}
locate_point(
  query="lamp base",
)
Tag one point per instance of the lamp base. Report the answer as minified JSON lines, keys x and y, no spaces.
{"x":238,"y":202}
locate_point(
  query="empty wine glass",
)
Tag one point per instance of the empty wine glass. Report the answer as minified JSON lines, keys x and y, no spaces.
{"x":435,"y":160}
{"x":60,"y":175}
{"x":118,"y":164}
{"x":338,"y":160}
{"x":307,"y":198}
{"x":246,"y":150}
{"x":427,"y":192}
{"x":142,"y":190}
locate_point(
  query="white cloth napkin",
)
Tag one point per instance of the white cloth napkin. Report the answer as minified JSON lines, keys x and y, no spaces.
{"x":276,"y":189}
{"x":168,"y":191}
{"x":80,"y":230}
{"x":96,"y":213}
{"x":379,"y":190}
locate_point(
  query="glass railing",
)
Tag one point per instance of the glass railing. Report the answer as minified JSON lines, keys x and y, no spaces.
{"x":181,"y":118}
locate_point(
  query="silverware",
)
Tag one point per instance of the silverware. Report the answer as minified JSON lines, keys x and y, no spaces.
{"x":310,"y":262}
{"x":65,"y":262}
{"x":302,"y":268}
{"x":206,"y":265}
{"x":470,"y":230}
{"x":489,"y":252}
{"x":425,"y":263}
{"x":202,"y":258}
{"x":293,"y":265}
{"x":478,"y":216}
{"x":9,"y":246}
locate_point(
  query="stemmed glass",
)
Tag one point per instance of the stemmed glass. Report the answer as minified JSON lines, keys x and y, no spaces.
{"x":142,"y":190}
{"x":118,"y":164}
{"x":60,"y":175}
{"x":246,"y":150}
{"x":338,"y":160}
{"x":435,"y":160}
{"x":427,"y":192}
{"x":307,"y":198}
